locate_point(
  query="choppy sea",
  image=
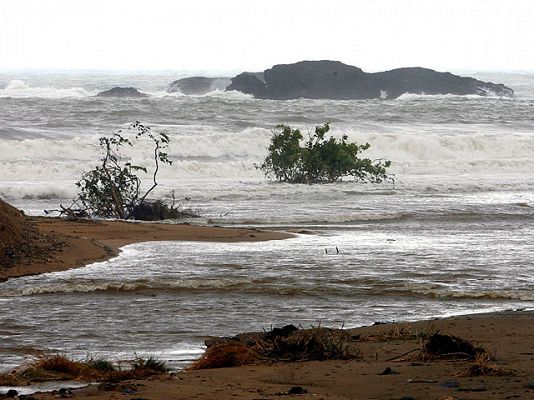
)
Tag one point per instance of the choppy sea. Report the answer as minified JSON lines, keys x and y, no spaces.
{"x":452,"y":235}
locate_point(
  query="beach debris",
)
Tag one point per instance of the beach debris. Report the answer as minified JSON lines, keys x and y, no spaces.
{"x":332,"y":251}
{"x":283,"y":332}
{"x":450,"y":384}
{"x":438,"y":346}
{"x":486,"y":370}
{"x":107,"y":386}
{"x":400,"y":332}
{"x":26,"y":397}
{"x":227,"y":354}
{"x":447,"y":346}
{"x":389,"y":371}
{"x":64,"y":393}
{"x":473,"y":389}
{"x":286,"y":344}
{"x":297,"y":390}
{"x":293,"y":390}
{"x":482,"y":367}
{"x":61,"y":368}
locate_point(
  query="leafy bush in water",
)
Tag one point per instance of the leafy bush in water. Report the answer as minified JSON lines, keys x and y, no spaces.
{"x":321,"y":159}
{"x":113,"y":188}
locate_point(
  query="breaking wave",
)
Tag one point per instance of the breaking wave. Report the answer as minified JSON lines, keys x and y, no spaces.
{"x":19,"y":89}
{"x":217,"y":94}
{"x":268,"y":286}
{"x":80,"y":286}
{"x":449,"y":96}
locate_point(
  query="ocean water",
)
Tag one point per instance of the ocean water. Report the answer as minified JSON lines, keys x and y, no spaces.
{"x":452,"y":235}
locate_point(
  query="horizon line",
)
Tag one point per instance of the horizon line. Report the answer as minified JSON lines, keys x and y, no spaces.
{"x":225,"y":71}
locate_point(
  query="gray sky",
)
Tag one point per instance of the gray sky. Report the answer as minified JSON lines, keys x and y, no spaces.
{"x":254,"y":35}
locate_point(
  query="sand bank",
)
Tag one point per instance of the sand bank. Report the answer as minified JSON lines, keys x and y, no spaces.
{"x":509,"y":336}
{"x":66,"y":244}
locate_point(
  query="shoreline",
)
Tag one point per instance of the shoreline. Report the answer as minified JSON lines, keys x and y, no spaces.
{"x":507,"y":336}
{"x":72,"y":244}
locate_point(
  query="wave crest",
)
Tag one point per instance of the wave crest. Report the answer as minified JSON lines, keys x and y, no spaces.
{"x":133,"y":286}
{"x":19,"y":89}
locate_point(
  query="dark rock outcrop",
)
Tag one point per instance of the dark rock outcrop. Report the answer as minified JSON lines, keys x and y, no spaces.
{"x":198,"y":85}
{"x":427,"y":81}
{"x":250,"y":83}
{"x":122,"y":92}
{"x":335,"y":80}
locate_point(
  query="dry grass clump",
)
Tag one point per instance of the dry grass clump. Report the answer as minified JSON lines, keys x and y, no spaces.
{"x":227,"y":354}
{"x":483,"y":367}
{"x":61,"y":368}
{"x":402,"y":333}
{"x":486,"y":370}
{"x":280,"y":344}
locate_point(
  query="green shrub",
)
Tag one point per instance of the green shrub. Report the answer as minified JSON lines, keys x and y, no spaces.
{"x":320,"y":159}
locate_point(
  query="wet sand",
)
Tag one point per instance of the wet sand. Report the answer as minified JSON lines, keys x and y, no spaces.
{"x":70,"y":244}
{"x":508,"y":336}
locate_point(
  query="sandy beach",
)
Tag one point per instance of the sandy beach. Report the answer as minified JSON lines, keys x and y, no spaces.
{"x":64,"y":244}
{"x":507,"y":336}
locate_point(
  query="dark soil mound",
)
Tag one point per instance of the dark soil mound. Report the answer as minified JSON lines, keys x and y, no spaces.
{"x":12,"y":224}
{"x":20,"y":241}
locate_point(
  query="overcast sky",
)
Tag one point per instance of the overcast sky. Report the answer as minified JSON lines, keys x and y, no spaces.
{"x":254,"y":35}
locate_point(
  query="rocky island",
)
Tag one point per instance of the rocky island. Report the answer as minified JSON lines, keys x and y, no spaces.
{"x":338,"y":81}
{"x":122,"y":92}
{"x":198,"y":85}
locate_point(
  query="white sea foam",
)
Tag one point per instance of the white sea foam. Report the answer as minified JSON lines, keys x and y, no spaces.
{"x":48,"y":168}
{"x":230,"y":95}
{"x":218,"y":94}
{"x":433,"y":97}
{"x":19,"y":89}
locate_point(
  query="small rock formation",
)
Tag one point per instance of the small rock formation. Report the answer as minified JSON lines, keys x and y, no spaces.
{"x":198,"y":85}
{"x":122,"y":92}
{"x":338,"y":81}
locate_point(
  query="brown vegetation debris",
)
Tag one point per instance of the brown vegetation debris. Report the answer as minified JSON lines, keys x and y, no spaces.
{"x":482,"y":367}
{"x":61,"y":368}
{"x":402,"y":333}
{"x":447,"y":346}
{"x":287,"y":344}
{"x":439,"y":346}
